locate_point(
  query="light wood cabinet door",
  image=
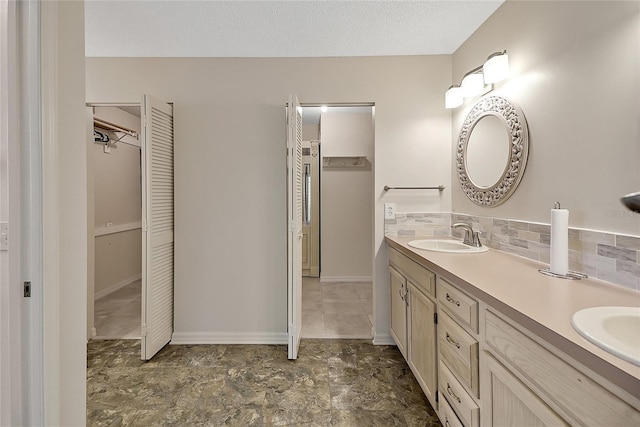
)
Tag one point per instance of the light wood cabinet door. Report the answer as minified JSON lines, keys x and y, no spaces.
{"x":398,"y":310}
{"x":422,"y":341}
{"x":511,"y":403}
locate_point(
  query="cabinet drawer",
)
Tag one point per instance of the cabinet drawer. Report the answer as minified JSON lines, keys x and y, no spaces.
{"x":459,"y":351}
{"x":574,"y":395}
{"x":448,"y":418}
{"x":460,"y":305}
{"x":418,"y":275}
{"x":459,"y":399}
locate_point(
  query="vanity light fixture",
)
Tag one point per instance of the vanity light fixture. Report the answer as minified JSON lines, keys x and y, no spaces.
{"x":479,"y":80}
{"x":472,"y":84}
{"x":496,"y":67}
{"x":453,"y":97}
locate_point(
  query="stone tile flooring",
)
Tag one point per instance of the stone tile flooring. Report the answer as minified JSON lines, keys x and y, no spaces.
{"x":333,"y":383}
{"x":118,"y":314}
{"x":336,"y":310}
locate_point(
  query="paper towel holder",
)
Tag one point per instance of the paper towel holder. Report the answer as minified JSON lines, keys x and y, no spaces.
{"x":571,"y":275}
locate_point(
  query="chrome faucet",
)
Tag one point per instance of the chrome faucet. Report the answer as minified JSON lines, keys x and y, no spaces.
{"x":470,"y":237}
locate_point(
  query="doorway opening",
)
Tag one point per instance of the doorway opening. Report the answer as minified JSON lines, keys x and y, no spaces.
{"x":338,"y":162}
{"x":130,"y":216}
{"x":115,"y":205}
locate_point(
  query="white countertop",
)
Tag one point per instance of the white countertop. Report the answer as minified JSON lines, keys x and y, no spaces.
{"x":540,"y":303}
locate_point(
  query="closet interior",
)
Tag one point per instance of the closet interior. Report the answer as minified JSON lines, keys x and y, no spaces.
{"x":115,"y":196}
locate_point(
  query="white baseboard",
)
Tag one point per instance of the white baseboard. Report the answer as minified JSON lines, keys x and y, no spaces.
{"x":333,"y":279}
{"x":383,"y":339}
{"x":229,"y":338}
{"x":111,"y":289}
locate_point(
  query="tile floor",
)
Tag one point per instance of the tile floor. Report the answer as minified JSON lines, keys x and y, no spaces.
{"x":329,"y":310}
{"x":333,"y":383}
{"x":118,"y":314}
{"x":336,"y":310}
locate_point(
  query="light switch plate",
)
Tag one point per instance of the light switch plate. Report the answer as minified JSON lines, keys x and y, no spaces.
{"x":389,"y":211}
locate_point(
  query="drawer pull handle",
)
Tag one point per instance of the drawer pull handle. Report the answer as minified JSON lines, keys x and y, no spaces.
{"x":452,"y":394}
{"x":452,"y":301}
{"x":451,"y":341}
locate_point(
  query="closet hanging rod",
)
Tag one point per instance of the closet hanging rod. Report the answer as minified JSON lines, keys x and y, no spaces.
{"x":439,"y":188}
{"x":103,"y":124}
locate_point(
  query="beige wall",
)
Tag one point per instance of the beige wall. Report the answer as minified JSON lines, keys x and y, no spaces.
{"x":230,"y":235}
{"x":117,"y":195}
{"x":574,"y":72}
{"x":346,"y":204}
{"x":310,"y":132}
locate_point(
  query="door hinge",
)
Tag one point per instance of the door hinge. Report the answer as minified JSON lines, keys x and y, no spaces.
{"x":4,"y":236}
{"x":143,"y":330}
{"x":27,"y":289}
{"x":435,"y":318}
{"x":437,"y":398}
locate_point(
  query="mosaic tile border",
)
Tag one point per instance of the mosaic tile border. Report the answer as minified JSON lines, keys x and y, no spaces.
{"x":611,"y":257}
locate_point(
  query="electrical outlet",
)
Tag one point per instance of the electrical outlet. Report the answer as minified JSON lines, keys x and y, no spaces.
{"x":389,"y":211}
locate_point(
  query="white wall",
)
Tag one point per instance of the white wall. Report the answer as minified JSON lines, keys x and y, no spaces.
{"x":64,"y":213}
{"x":117,"y":198}
{"x":230,"y":235}
{"x":574,"y":72}
{"x":346,"y":204}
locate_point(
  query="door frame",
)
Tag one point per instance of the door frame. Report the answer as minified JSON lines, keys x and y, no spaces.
{"x":371,"y":105}
{"x":313,"y":239}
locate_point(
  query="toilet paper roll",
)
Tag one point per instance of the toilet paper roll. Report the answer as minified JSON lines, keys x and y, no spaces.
{"x":559,"y":241}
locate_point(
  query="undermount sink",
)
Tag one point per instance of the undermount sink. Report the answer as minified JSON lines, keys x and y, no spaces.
{"x":614,"y":329}
{"x":446,"y":245}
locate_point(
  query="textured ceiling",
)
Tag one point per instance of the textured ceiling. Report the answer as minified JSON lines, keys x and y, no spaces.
{"x":208,"y":28}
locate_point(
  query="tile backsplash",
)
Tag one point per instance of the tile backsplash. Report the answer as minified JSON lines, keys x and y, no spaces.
{"x":612,"y":257}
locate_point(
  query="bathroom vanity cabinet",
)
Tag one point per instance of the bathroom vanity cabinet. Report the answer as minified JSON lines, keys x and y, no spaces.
{"x":483,"y":364}
{"x":458,"y":344}
{"x":413,"y":317}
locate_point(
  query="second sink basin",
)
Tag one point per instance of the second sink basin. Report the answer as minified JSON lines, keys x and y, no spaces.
{"x":614,"y":329}
{"x":446,"y":245}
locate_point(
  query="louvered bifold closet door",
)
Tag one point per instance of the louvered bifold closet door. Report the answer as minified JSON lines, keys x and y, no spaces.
{"x":157,"y":240}
{"x":294,"y":224}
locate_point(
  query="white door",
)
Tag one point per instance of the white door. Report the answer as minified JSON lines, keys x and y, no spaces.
{"x":294,"y":225}
{"x":157,"y":225}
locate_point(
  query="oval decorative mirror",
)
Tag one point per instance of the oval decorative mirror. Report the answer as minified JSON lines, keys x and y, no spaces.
{"x":492,"y":149}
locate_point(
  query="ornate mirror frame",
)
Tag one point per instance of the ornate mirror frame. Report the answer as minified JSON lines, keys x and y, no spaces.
{"x":518,"y":133}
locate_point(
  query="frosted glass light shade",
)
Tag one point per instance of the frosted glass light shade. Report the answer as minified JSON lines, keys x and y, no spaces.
{"x":453,"y":97}
{"x":472,"y":85}
{"x":496,"y":68}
